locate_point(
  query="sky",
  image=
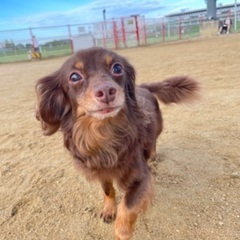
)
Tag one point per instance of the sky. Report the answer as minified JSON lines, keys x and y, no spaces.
{"x":19,"y":14}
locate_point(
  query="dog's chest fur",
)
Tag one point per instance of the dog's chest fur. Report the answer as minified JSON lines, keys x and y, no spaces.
{"x":106,"y":143}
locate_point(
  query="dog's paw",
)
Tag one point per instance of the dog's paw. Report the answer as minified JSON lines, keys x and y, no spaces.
{"x":108,"y":215}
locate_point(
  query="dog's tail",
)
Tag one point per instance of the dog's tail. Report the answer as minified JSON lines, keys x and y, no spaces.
{"x":179,"y":89}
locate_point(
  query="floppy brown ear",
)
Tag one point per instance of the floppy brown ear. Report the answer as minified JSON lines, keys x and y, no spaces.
{"x":133,"y":110}
{"x":130,"y":83}
{"x":53,"y":103}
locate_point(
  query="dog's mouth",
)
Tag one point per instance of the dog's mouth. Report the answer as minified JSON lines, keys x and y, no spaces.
{"x":105,"y":112}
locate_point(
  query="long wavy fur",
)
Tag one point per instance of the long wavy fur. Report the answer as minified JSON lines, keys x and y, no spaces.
{"x":178,"y":89}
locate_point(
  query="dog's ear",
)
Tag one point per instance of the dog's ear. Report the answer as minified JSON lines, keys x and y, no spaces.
{"x":130,"y":83}
{"x":53,"y":103}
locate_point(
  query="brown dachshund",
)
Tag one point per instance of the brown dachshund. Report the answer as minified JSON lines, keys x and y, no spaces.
{"x":109,"y":125}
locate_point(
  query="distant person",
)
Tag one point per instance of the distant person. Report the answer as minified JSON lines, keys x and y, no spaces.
{"x":35,"y":44}
{"x":226,"y":26}
{"x":36,"y":51}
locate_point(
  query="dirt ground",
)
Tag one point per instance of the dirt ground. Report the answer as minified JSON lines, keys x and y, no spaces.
{"x":196,"y":174}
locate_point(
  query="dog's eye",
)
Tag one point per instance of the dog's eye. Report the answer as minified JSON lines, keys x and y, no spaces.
{"x":117,"y":69}
{"x":75,"y":77}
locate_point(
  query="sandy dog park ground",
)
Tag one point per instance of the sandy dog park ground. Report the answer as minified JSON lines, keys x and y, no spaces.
{"x":196,"y":174}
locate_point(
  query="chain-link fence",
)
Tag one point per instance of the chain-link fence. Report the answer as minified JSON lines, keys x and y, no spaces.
{"x":52,"y":41}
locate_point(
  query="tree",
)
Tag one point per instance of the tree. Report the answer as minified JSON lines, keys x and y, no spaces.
{"x":28,"y":46}
{"x":9,"y":44}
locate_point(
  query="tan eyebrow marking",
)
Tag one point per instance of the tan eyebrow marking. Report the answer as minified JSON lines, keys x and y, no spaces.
{"x":108,"y":59}
{"x":79,"y":65}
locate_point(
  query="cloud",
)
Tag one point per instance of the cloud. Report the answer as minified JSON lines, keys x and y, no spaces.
{"x":92,"y":12}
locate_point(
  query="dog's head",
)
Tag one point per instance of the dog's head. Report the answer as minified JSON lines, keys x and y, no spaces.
{"x":94,"y":82}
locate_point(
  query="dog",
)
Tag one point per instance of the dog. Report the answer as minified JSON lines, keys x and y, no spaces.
{"x":110,"y":125}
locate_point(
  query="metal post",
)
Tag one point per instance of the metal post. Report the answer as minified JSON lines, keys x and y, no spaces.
{"x":104,"y":15}
{"x":70,"y":38}
{"x":144,"y":31}
{"x":137,"y":29}
{"x":103,"y":35}
{"x":163,"y":30}
{"x":105,"y":23}
{"x":180,"y":28}
{"x":235,"y":16}
{"x":115,"y":34}
{"x":123,"y":33}
{"x":169,"y":30}
{"x":31,"y":34}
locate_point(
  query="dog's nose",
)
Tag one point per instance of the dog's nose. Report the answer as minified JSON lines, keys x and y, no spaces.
{"x":105,"y":93}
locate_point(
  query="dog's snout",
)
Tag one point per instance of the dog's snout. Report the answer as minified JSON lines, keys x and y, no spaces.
{"x":105,"y":93}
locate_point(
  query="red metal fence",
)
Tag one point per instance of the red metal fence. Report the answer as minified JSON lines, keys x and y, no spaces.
{"x":120,"y":33}
{"x":116,"y":33}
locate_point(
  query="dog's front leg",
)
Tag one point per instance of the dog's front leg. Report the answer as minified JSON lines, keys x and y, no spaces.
{"x":135,"y":201}
{"x":110,"y":205}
